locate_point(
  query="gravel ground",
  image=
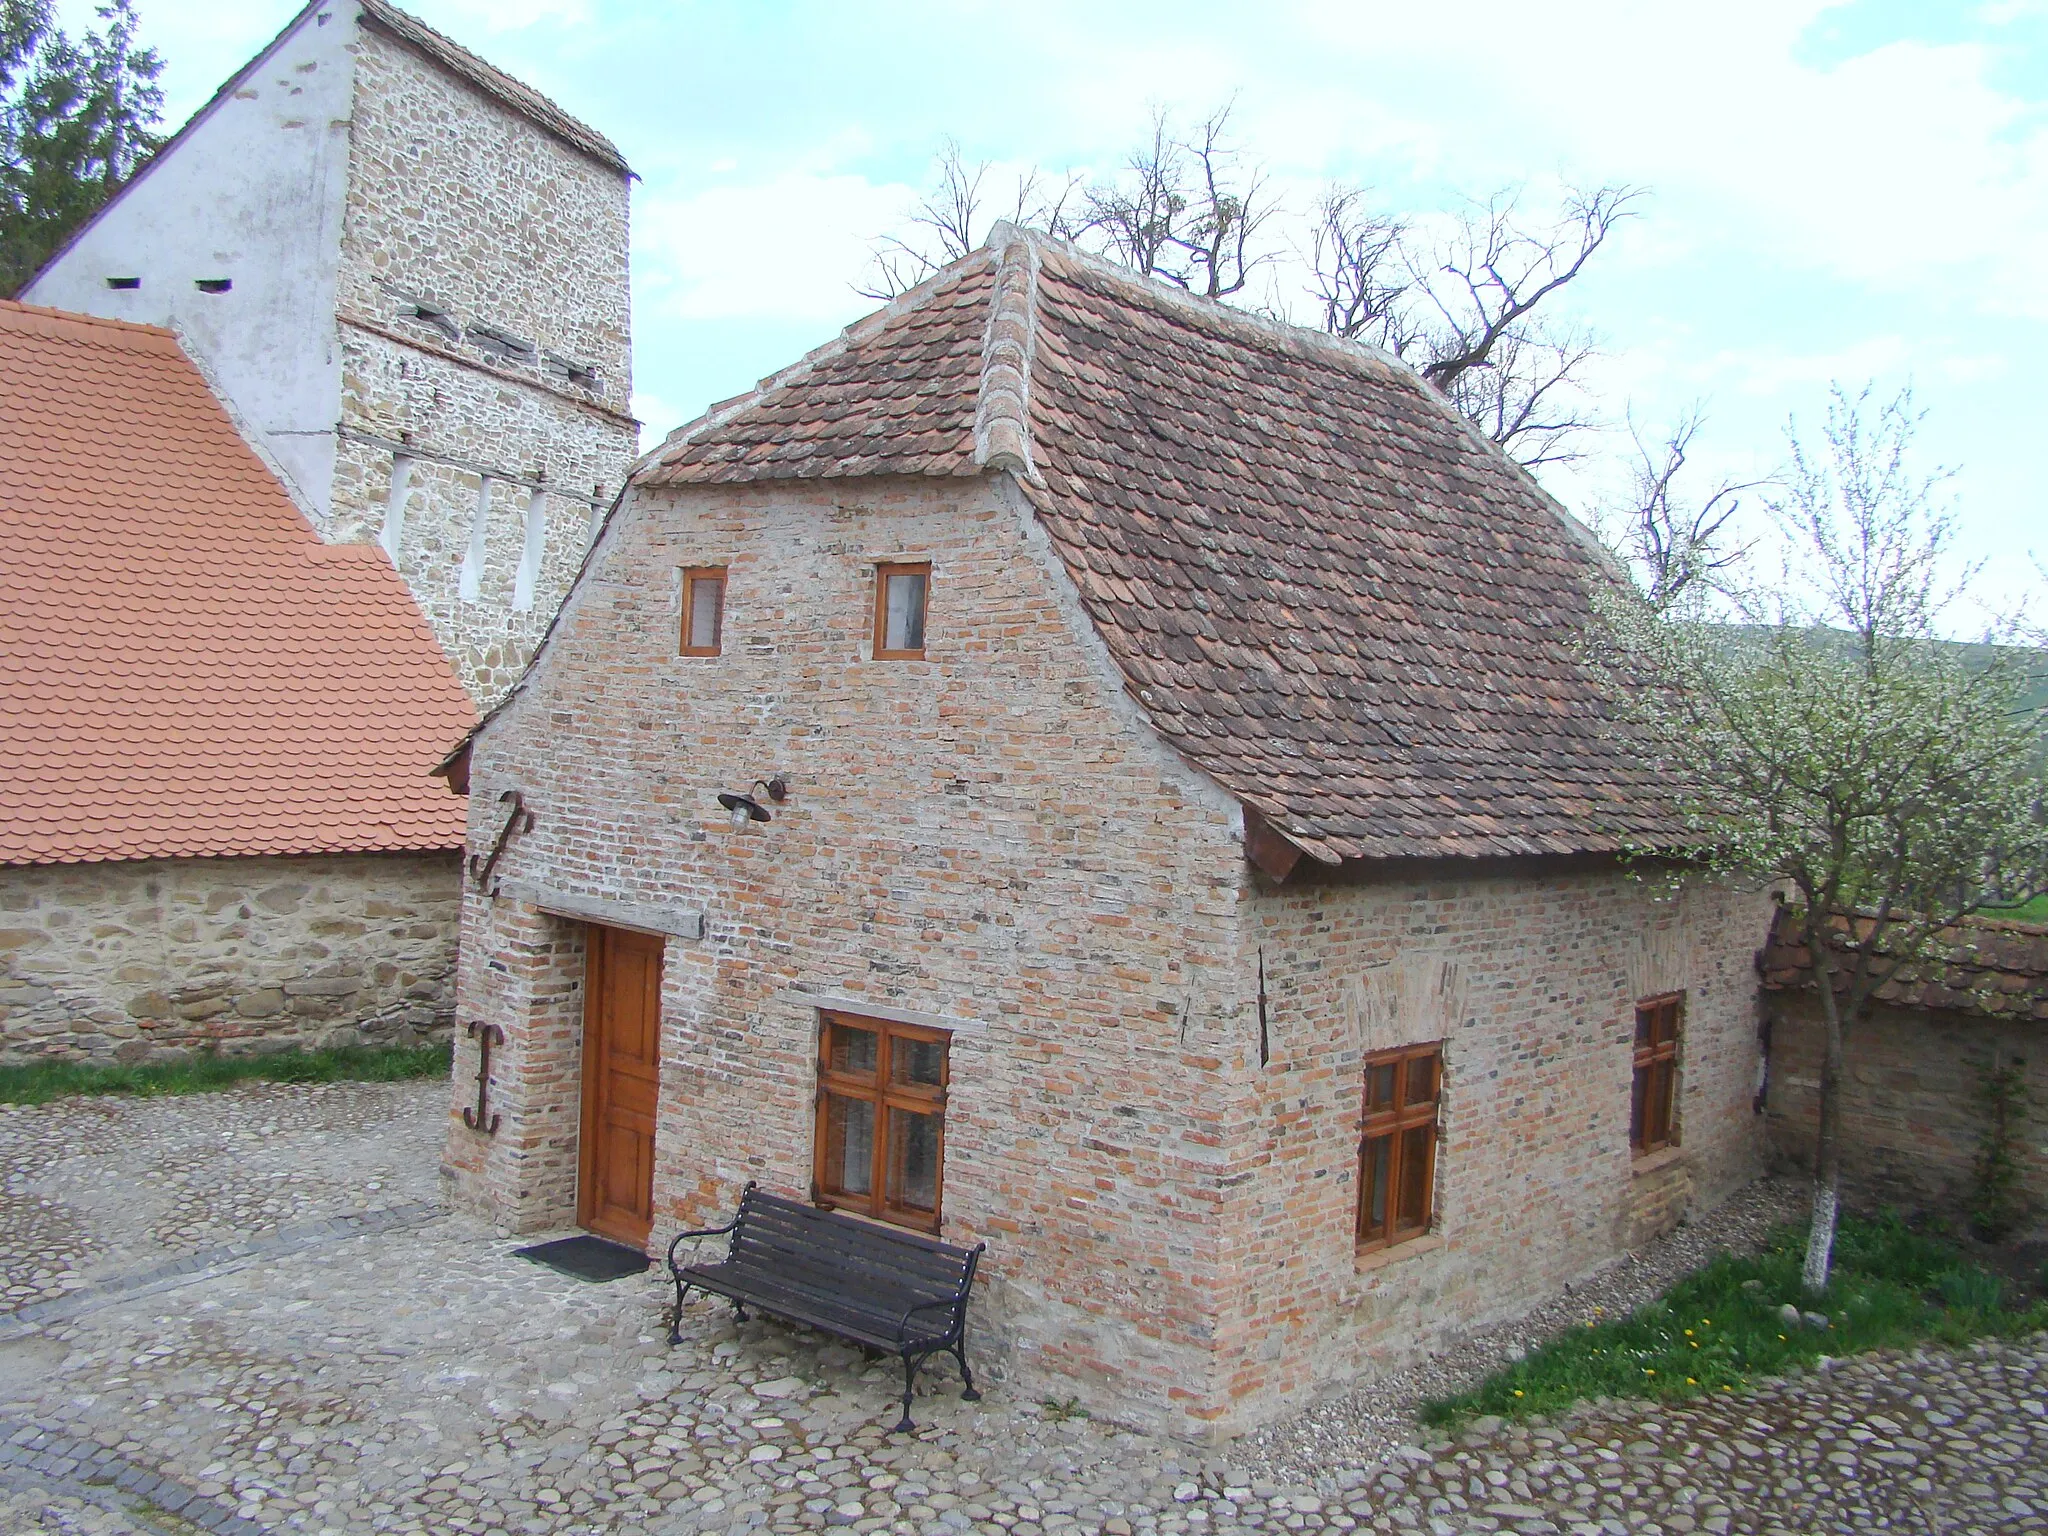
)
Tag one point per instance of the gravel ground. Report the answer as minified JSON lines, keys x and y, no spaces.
{"x":1368,"y":1423}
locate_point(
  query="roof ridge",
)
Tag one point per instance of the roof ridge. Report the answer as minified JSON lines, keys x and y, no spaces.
{"x":1002,"y":411}
{"x":534,"y":105}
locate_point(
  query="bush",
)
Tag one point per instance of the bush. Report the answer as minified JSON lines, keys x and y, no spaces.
{"x":1971,"y":1289}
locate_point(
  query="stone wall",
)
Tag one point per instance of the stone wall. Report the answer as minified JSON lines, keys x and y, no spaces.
{"x":456,"y":200}
{"x":126,"y":960}
{"x":1912,"y":1115}
{"x":994,"y":839}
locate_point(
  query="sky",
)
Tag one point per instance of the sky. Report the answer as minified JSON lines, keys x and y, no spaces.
{"x":1853,"y":192}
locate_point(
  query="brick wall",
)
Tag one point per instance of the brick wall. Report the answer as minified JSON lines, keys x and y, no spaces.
{"x":454,"y":198}
{"x":994,"y":838}
{"x":1531,"y":983}
{"x":1912,"y":1118}
{"x":124,"y":960}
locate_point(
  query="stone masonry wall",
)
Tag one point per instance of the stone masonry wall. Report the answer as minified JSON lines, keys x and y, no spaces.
{"x":456,"y":200}
{"x":981,"y":837}
{"x":1531,"y":983}
{"x":126,"y":960}
{"x":1912,"y":1113}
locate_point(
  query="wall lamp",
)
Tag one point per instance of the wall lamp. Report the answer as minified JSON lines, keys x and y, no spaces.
{"x":745,"y":808}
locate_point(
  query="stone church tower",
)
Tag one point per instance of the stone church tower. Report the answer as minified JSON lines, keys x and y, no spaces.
{"x":405,"y":273}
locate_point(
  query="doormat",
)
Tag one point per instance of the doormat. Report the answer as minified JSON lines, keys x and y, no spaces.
{"x":587,"y":1258}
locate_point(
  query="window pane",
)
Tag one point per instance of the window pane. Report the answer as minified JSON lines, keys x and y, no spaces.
{"x":849,"y":1146}
{"x":853,"y":1050}
{"x":1372,"y":1185}
{"x":707,"y":599}
{"x":1637,"y":1105}
{"x":903,"y":626}
{"x":1421,"y":1080}
{"x":922,"y":1062}
{"x":1646,"y":1025}
{"x":1379,"y":1087}
{"x":913,"y":1160}
{"x":1659,"y":1116}
{"x":1414,"y":1207}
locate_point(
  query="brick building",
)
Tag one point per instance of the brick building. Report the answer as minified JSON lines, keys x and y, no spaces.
{"x":216,"y":820}
{"x":1079,"y":768}
{"x":406,"y":273}
{"x":1914,"y":1115}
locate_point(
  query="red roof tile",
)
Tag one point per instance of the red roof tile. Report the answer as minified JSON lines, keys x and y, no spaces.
{"x":185,"y":669}
{"x":1987,"y":964}
{"x":1329,"y":591}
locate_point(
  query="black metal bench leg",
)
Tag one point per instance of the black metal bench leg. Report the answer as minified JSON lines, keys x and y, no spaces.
{"x":910,"y":1368}
{"x":960,"y":1354}
{"x":739,"y":1311}
{"x":675,"y":1318}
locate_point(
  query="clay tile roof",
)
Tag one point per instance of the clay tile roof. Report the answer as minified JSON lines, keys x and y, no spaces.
{"x":493,"y":81}
{"x":185,"y":669}
{"x":1988,"y":965}
{"x":1329,"y":591}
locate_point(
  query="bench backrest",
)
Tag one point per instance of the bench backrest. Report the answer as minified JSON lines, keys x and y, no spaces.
{"x":779,"y":1235}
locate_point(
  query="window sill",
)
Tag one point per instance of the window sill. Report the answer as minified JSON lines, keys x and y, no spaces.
{"x":1393,"y":1253}
{"x":1650,"y":1162}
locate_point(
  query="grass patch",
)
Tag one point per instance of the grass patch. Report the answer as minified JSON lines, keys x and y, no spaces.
{"x":2035,"y":911}
{"x":40,"y":1081}
{"x":1720,"y":1328}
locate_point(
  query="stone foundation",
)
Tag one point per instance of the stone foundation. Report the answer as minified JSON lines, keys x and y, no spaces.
{"x":127,"y":961}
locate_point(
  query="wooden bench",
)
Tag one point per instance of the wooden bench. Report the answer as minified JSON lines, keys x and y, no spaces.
{"x":877,"y":1286}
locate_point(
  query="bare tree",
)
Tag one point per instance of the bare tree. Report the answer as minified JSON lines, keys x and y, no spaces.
{"x":1677,"y":544}
{"x":1188,"y":209}
{"x":953,"y":218}
{"x":1463,"y":308}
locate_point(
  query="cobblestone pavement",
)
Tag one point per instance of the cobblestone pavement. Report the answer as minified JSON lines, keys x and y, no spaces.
{"x":423,"y":1380}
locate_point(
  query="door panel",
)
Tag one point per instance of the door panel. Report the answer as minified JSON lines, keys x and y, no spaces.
{"x":621,"y":1081}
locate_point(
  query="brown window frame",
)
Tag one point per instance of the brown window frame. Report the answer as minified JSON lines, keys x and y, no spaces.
{"x":887,"y":1098}
{"x":1391,"y":1123}
{"x":883,"y":571}
{"x":691,"y":575}
{"x":1653,"y":1090}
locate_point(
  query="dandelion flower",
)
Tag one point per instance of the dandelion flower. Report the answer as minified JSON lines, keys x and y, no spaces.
{"x":1647,"y":1371}
{"x":1688,"y":1333}
{"x":1518,"y":1391}
{"x":1690,"y":1382}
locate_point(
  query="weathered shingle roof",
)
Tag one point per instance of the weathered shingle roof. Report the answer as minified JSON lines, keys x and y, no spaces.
{"x":1328,"y":590}
{"x":1988,"y":965}
{"x":185,"y":669}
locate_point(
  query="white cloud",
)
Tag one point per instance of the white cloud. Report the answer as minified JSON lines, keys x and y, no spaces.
{"x":782,"y":249}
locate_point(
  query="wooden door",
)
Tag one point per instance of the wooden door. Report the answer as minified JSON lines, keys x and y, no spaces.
{"x":621,"y":1078}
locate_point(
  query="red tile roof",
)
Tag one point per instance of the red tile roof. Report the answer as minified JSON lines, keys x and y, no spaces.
{"x":1328,"y":590}
{"x":185,"y":669}
{"x":1989,"y":965}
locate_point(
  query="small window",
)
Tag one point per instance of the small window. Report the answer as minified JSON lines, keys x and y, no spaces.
{"x":1397,"y":1152}
{"x":123,"y":284}
{"x":881,"y":1119}
{"x":213,"y":284}
{"x":703,"y":610}
{"x":1653,"y":1123}
{"x":900,"y":592}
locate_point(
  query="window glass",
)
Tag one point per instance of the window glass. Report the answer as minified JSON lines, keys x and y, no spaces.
{"x":703,"y":611}
{"x":849,"y":1144}
{"x":881,"y":1128}
{"x":1397,"y":1144}
{"x":905,"y":625}
{"x":1653,"y":1107}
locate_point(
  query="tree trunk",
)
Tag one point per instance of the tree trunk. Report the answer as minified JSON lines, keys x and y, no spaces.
{"x":1827,"y":1155}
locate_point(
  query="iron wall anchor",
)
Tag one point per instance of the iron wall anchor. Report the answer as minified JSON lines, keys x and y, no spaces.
{"x":482,"y":1118}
